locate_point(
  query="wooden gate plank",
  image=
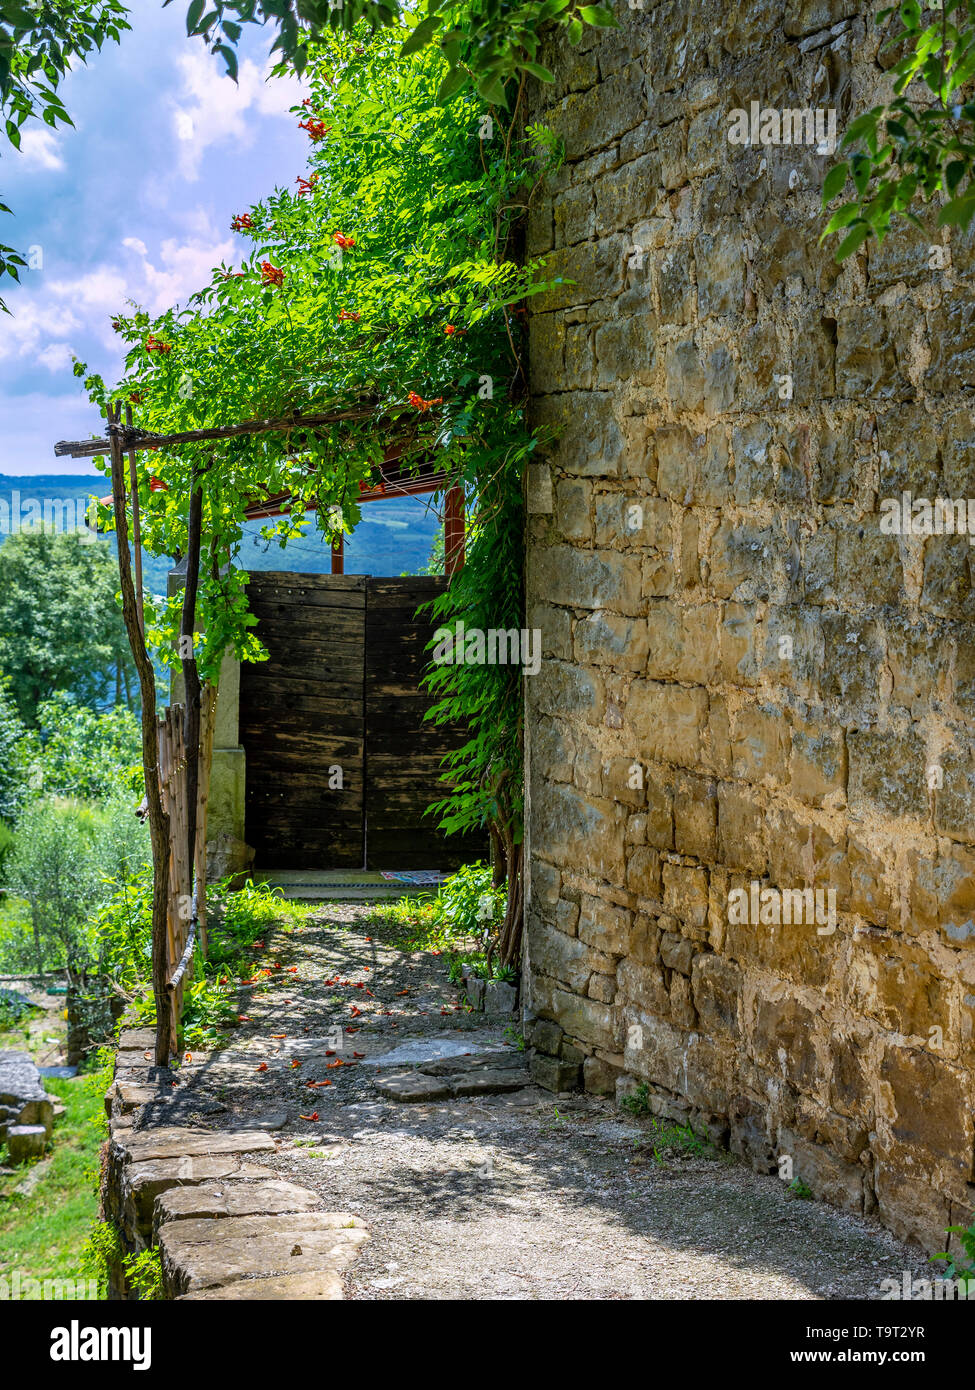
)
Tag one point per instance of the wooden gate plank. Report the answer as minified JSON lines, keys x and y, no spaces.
{"x":301,"y":713}
{"x":403,"y":750}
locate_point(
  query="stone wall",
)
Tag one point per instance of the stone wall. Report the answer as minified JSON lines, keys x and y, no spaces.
{"x":725,"y":622}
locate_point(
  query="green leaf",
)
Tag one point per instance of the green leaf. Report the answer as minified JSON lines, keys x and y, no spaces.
{"x":421,"y":35}
{"x":959,"y":212}
{"x":834,"y":181}
{"x":538,"y":71}
{"x":598,"y":16}
{"x":194,"y":14}
{"x":455,"y":79}
{"x":853,"y":241}
{"x":842,"y":218}
{"x":230,"y":58}
{"x":954,"y":173}
{"x":491,"y":89}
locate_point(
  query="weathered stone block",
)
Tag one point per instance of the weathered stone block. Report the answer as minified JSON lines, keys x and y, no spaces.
{"x":552,"y":1074}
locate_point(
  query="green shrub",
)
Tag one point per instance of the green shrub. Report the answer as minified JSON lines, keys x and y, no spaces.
{"x":236,"y":919}
{"x":81,"y":752}
{"x":467,"y":904}
{"x":457,"y":921}
{"x":68,"y":859}
{"x":102,"y":1252}
{"x":6,"y":845}
{"x":955,"y":1266}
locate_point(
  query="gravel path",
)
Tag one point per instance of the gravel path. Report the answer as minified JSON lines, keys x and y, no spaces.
{"x":524,"y":1195}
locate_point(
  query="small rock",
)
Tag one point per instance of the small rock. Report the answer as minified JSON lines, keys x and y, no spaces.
{"x":413,"y":1086}
{"x":500,"y":998}
{"x":276,"y":1119}
{"x":25,"y":1142}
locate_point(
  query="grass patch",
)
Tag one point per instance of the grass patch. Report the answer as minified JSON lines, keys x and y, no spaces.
{"x":669,"y":1140}
{"x":455,"y":922}
{"x":42,"y":1234}
{"x":237,"y":927}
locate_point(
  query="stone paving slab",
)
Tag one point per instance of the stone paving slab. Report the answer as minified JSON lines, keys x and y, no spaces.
{"x":279,"y":1288}
{"x":212,"y":1200}
{"x":489,"y":1083}
{"x":142,"y":1183}
{"x":412,"y":1086}
{"x":190,"y":1143}
{"x":142,"y":1038}
{"x":201,"y":1254}
{"x":418,"y":1085}
{"x":494,"y":1061}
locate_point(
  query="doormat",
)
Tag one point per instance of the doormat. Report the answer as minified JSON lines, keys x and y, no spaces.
{"x":418,"y":877}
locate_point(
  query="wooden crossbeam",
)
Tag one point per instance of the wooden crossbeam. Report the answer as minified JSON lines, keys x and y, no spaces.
{"x":146,"y":439}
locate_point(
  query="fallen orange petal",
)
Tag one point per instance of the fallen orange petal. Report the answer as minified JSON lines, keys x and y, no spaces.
{"x":262,"y":1067}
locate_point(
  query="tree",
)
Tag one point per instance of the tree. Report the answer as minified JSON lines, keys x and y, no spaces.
{"x":921,"y":145}
{"x":484,"y":42}
{"x":77,"y":751}
{"x":60,"y":628}
{"x":12,"y":755}
{"x":54,"y":867}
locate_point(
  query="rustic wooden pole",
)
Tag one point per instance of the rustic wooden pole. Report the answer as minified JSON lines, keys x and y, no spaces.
{"x":453,"y":527}
{"x":136,"y":528}
{"x":338,"y":555}
{"x":158,"y":819}
{"x":191,"y":676}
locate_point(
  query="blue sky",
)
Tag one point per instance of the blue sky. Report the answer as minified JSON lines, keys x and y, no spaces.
{"x":134,"y":202}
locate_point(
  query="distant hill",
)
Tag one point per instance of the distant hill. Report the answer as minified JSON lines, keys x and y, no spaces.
{"x":394,"y":536}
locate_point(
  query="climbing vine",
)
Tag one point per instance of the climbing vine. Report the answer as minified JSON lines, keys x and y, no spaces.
{"x":381,"y":290}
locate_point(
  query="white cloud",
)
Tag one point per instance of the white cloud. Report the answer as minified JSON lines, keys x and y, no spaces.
{"x":101,"y":291}
{"x":56,"y":356}
{"x":39,"y":147}
{"x":210,"y":109}
{"x":36,"y":321}
{"x":62,"y":315}
{"x":184,"y":266}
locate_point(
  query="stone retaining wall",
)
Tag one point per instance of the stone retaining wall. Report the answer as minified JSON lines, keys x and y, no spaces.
{"x":226,"y":1225}
{"x":745,"y":679}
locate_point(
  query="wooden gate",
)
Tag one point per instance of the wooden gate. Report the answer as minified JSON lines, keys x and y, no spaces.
{"x":340,"y":762}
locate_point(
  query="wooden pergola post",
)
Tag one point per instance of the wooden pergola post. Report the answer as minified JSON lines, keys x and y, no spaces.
{"x":453,"y":530}
{"x":338,"y":554}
